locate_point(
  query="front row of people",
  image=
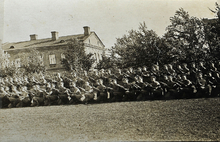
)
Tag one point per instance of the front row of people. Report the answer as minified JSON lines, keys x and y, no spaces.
{"x":54,"y":93}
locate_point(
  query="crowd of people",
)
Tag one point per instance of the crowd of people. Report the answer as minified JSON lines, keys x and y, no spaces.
{"x":170,"y":81}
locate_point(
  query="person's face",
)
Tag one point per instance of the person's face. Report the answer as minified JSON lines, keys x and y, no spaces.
{"x":2,"y":89}
{"x":125,"y":80}
{"x":6,"y":88}
{"x":165,"y":66}
{"x":140,"y":79}
{"x":144,"y":69}
{"x":6,"y":79}
{"x":170,"y":78}
{"x":213,"y":65}
{"x":165,"y":77}
{"x":184,"y":77}
{"x":53,"y":85}
{"x":109,"y":71}
{"x":61,"y":84}
{"x":114,"y":81}
{"x":130,"y":70}
{"x":201,"y":63}
{"x":101,"y":81}
{"x":153,"y":79}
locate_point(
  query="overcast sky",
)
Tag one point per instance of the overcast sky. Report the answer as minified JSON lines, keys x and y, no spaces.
{"x":108,"y":18}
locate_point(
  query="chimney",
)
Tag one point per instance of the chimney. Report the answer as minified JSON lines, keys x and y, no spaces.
{"x":86,"y":30}
{"x":54,"y":35}
{"x":33,"y":37}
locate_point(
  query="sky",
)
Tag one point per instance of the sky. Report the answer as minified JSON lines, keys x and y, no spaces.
{"x":110,"y":19}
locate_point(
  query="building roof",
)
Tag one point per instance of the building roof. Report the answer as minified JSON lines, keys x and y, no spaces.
{"x":42,"y":42}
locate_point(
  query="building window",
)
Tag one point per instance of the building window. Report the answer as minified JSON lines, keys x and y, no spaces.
{"x":17,"y":63}
{"x":52,"y":59}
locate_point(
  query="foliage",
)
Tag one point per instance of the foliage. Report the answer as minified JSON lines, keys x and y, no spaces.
{"x":29,"y":63}
{"x":76,"y":57}
{"x":186,"y":35}
{"x":105,"y":63}
{"x":32,"y":61}
{"x":217,"y":10}
{"x":138,"y":48}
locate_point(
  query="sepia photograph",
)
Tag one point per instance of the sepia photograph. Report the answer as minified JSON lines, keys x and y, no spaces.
{"x":109,"y":70}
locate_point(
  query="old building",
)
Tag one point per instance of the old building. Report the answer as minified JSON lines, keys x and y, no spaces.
{"x":52,"y":49}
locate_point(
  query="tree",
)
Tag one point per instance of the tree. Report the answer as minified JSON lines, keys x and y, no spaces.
{"x":105,"y":63}
{"x":138,"y":48}
{"x":76,"y":57}
{"x":29,"y":63}
{"x":217,"y":10}
{"x":32,"y":62}
{"x":186,"y":35}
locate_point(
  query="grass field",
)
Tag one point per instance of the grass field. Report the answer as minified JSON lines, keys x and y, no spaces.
{"x":193,"y":119}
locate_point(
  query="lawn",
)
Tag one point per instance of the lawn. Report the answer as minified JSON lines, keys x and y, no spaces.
{"x":192,"y":119}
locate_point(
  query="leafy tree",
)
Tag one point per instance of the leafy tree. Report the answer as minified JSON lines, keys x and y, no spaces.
{"x":105,"y":63}
{"x":138,"y":48}
{"x":217,"y":10}
{"x":32,"y":62}
{"x":186,"y":35}
{"x":76,"y":57}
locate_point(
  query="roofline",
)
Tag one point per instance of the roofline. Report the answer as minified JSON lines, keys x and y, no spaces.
{"x":96,"y":36}
{"x":38,"y":39}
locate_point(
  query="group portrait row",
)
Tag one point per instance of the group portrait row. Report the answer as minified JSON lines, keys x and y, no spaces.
{"x":158,"y":82}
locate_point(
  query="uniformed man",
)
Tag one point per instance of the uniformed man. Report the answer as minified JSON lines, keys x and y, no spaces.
{"x":63,"y":94}
{"x":103,"y":95}
{"x":52,"y":94}
{"x":186,"y":69}
{"x":14,"y":98}
{"x":4,"y":98}
{"x":202,"y":68}
{"x":118,"y":91}
{"x":194,"y":73}
{"x":188,"y":90}
{"x":75,"y":93}
{"x":202,"y":86}
{"x":156,"y":91}
{"x":145,"y":74}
